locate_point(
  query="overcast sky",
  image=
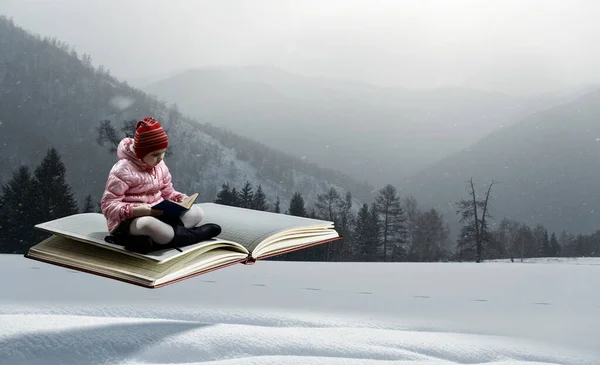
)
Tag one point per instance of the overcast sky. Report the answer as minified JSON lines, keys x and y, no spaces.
{"x":514,"y":46}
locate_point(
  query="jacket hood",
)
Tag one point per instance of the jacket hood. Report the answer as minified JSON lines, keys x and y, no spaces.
{"x":125,"y":151}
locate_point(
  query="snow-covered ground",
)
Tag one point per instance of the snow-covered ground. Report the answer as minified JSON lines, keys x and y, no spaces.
{"x":555,"y":260}
{"x":307,"y":313}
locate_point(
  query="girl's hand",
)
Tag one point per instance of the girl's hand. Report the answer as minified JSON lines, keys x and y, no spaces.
{"x":145,"y":209}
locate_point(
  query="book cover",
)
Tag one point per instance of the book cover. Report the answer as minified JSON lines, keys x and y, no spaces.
{"x":174,"y":209}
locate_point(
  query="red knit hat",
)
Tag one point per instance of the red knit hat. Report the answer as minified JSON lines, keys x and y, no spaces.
{"x":149,"y":136}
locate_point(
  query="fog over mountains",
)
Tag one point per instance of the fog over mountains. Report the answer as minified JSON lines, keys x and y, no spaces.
{"x":542,"y":149}
{"x":547,"y":166}
{"x":373,"y":133}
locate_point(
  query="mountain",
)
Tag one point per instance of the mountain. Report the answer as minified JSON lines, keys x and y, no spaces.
{"x":375,"y":134}
{"x":53,"y":97}
{"x":547,"y":167}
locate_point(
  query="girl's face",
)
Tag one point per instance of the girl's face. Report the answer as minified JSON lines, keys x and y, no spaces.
{"x":155,"y":157}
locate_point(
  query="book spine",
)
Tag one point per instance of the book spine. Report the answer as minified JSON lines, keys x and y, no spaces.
{"x":249,"y":260}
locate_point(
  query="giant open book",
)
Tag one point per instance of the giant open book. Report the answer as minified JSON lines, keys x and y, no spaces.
{"x":77,"y":242}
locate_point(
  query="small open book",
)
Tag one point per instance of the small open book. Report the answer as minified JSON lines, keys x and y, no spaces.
{"x":77,"y":242}
{"x":175,"y":209}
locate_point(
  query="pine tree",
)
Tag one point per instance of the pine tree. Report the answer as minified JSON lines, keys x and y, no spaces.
{"x":16,"y":212}
{"x":554,"y":246}
{"x":328,"y":205}
{"x":412,"y":217}
{"x":316,"y":253}
{"x":54,"y":196}
{"x":277,"y":207}
{"x":246,"y":196}
{"x":88,"y":205}
{"x":392,"y":217}
{"x":297,"y":206}
{"x":227,"y":196}
{"x":507,"y":235}
{"x":431,"y":237}
{"x":344,"y":227}
{"x":565,"y":240}
{"x":235,"y":198}
{"x":525,"y":241}
{"x":344,"y":214}
{"x":466,"y":243}
{"x":259,"y":200}
{"x":539,"y":247}
{"x":362,"y":234}
{"x":223,"y":195}
{"x":546,"y":251}
{"x":374,"y":231}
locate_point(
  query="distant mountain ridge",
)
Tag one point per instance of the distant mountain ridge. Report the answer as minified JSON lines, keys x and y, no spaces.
{"x":547,"y":166}
{"x":51,"y":96}
{"x":372,"y":133}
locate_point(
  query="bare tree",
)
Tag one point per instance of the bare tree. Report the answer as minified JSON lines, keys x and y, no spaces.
{"x":475,"y":231}
{"x":107,"y":134}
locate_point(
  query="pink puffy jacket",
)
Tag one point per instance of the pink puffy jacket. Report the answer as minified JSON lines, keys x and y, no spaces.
{"x":131,"y":182}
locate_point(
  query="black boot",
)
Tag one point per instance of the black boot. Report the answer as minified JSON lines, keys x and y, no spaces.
{"x":183,"y":237}
{"x":140,"y":244}
{"x":189,"y":236}
{"x":206,"y":231}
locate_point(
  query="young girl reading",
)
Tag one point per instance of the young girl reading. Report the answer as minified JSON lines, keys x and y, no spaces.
{"x":135,"y":183}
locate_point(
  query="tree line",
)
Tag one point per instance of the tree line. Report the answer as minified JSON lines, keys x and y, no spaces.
{"x":388,"y":229}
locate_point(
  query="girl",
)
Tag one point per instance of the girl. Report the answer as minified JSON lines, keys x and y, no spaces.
{"x":135,"y":183}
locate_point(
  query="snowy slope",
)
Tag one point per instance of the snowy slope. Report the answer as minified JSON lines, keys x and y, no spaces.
{"x":309,"y":186}
{"x":306,"y":313}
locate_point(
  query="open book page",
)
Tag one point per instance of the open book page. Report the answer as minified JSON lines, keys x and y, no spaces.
{"x":187,"y":202}
{"x":91,"y":228}
{"x":249,"y":227}
{"x":78,"y":254}
{"x":293,"y":242}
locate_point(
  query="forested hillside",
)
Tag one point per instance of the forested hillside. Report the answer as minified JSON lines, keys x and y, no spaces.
{"x":53,"y":97}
